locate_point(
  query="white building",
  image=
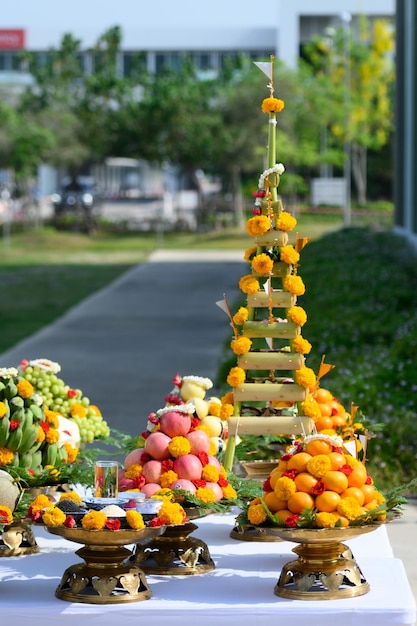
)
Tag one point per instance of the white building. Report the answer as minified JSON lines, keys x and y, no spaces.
{"x":164,"y":30}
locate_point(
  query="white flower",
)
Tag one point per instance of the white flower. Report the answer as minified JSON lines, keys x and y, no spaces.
{"x":7,"y":372}
{"x":178,"y":408}
{"x":46,"y":364}
{"x":68,"y":432}
{"x":277,"y":169}
{"x":206,"y":383}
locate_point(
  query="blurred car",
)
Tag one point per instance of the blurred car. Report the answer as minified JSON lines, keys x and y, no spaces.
{"x":78,"y":201}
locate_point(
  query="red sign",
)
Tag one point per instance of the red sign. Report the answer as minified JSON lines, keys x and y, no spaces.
{"x":12,"y":39}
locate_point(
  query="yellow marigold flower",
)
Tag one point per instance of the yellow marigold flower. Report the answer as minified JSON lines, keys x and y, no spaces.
{"x":226,"y":411}
{"x":167,"y":478}
{"x":297,"y":315}
{"x":6,"y":514}
{"x":214,"y":409}
{"x":249,"y":253}
{"x":72,"y":452}
{"x":95,"y":409}
{"x":284,"y":488}
{"x":256,"y":514}
{"x":301,"y":345}
{"x":205,"y":494}
{"x":249,"y":284}
{"x":71,"y":495}
{"x":258,"y":225}
{"x":222,"y":472}
{"x":41,"y":435}
{"x":94,"y":520}
{"x":78,"y":410}
{"x":306,"y":377}
{"x":262,"y":264}
{"x":54,"y":517}
{"x":164,"y":494}
{"x":134,"y":471}
{"x":319,"y":465}
{"x":52,"y":418}
{"x":379,"y":497}
{"x":351,"y":461}
{"x":326,"y":520}
{"x":178,"y":446}
{"x":289,"y":255}
{"x":229,"y":492}
{"x":135,"y":519}
{"x":241,"y":345}
{"x":40,"y":503}
{"x":172,"y":513}
{"x":311,"y":408}
{"x":24,"y":388}
{"x":6,"y":456}
{"x":227,"y":398}
{"x":285,"y":221}
{"x":52,"y":436}
{"x":241,"y":316}
{"x":350,"y":508}
{"x":294,"y":284}
{"x":236,"y":376}
{"x":3,"y":409}
{"x":272,"y":105}
{"x":210,"y":473}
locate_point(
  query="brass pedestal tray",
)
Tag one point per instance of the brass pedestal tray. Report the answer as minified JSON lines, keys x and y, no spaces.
{"x":325,"y":568}
{"x":252,"y":533}
{"x":107,"y":576}
{"x":17,"y":539}
{"x":174,"y":553}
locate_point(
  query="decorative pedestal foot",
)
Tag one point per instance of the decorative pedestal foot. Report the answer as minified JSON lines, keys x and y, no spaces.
{"x":252,"y":533}
{"x":174,"y":553}
{"x":18,"y":539}
{"x":325,"y":571}
{"x":105,"y":578}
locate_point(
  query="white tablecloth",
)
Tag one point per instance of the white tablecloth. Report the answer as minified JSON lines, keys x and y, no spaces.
{"x":239,"y":589}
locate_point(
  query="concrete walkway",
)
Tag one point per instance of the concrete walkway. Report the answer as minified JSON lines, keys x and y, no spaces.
{"x":124,"y":344}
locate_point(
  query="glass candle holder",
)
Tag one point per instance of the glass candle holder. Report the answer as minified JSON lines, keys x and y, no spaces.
{"x":106,"y":479}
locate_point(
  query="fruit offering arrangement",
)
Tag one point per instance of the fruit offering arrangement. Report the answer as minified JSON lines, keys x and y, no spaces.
{"x":32,"y":437}
{"x":62,"y":399}
{"x":318,"y":484}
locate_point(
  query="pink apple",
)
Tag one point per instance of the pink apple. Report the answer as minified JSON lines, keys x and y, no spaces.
{"x":125,"y":484}
{"x":134,"y":457}
{"x":218,"y":493}
{"x":182,"y":483}
{"x":199,"y":440}
{"x":175,"y":423}
{"x":156,"y":445}
{"x":188,"y":466}
{"x":152,"y":471}
{"x":150,"y":489}
{"x":215,"y":462}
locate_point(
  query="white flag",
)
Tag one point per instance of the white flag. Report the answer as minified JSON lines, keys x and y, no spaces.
{"x":265,"y":67}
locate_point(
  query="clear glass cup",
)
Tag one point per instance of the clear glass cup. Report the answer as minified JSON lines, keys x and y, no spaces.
{"x":106,"y":479}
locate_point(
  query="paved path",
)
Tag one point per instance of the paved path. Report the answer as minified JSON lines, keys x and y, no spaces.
{"x":123,"y":345}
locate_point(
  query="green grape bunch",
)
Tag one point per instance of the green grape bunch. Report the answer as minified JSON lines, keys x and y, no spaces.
{"x":68,"y":402}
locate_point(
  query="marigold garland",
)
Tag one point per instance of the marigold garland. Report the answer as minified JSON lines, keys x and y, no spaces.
{"x":294,"y":284}
{"x":258,"y":225}
{"x":236,"y":376}
{"x":272,"y":105}
{"x":285,"y":221}
{"x":241,"y":345}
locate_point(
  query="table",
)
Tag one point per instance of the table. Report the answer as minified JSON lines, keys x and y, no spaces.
{"x":239,"y":589}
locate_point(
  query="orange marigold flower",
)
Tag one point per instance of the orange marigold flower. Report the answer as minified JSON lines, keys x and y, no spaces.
{"x":214,"y":409}
{"x":311,"y":408}
{"x":52,"y":436}
{"x":3,"y":409}
{"x":297,"y":315}
{"x":349,"y":507}
{"x":241,"y":345}
{"x":301,"y":345}
{"x":6,"y":514}
{"x":285,"y":221}
{"x":167,"y":478}
{"x":210,"y":473}
{"x":258,"y":225}
{"x":306,"y":377}
{"x":24,"y":388}
{"x":249,"y":284}
{"x":78,"y":410}
{"x":54,"y":517}
{"x":241,"y":316}
{"x":94,"y":520}
{"x":284,"y":488}
{"x":205,"y":494}
{"x":289,"y":255}
{"x":236,"y":376}
{"x":272,"y":105}
{"x":6,"y":456}
{"x":256,"y":514}
{"x":135,"y":519}
{"x":134,"y":471}
{"x":41,"y":435}
{"x":72,"y":452}
{"x":294,"y":284}
{"x":52,"y":418}
{"x":326,"y":520}
{"x":249,"y":253}
{"x":229,"y":492}
{"x":227,"y":398}
{"x":319,"y":465}
{"x":226,"y":411}
{"x":262,"y":264}
{"x":179,"y":446}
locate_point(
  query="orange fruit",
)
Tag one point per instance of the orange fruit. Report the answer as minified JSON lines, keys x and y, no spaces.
{"x":337,"y":408}
{"x":327,"y":501}
{"x":342,"y":521}
{"x":325,"y":409}
{"x":354,"y":492}
{"x":337,"y":460}
{"x":358,"y":476}
{"x":368,"y":492}
{"x":324,"y":422}
{"x":323,"y":395}
{"x":283,"y":514}
{"x":299,"y":461}
{"x":273,"y":503}
{"x":335,"y":481}
{"x":318,"y":446}
{"x":300,"y":500}
{"x":338,"y":421}
{"x":305,"y":482}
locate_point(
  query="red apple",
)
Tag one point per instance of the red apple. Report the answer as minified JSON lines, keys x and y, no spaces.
{"x":188,"y":466}
{"x":218,"y":493}
{"x":199,"y":440}
{"x":152,"y":471}
{"x":150,"y":489}
{"x":156,"y":445}
{"x":134,"y":457}
{"x":182,"y":483}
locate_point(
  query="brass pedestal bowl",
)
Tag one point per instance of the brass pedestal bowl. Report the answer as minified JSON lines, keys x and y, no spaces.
{"x":107,"y":576}
{"x":174,"y":553}
{"x":326,"y":568}
{"x":17,"y":539}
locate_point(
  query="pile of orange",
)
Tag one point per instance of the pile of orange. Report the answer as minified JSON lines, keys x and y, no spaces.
{"x":333,"y":414}
{"x":319,"y":477}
